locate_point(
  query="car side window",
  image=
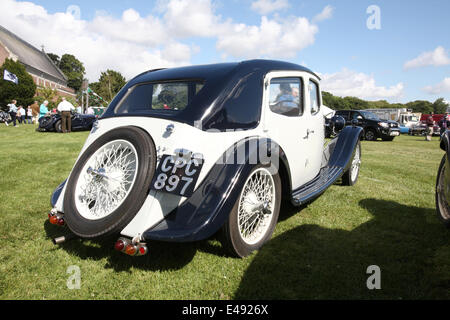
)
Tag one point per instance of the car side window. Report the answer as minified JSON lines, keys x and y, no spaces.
{"x":286,"y":96}
{"x":314,"y":97}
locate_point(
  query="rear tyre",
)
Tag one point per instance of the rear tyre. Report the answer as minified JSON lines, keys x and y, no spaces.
{"x":109,"y":183}
{"x":442,"y":205}
{"x":350,"y":177}
{"x":254,"y":215}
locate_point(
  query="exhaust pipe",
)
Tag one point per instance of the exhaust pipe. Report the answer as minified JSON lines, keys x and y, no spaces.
{"x":63,"y":239}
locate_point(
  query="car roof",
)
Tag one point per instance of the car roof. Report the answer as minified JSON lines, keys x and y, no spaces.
{"x":219,"y":70}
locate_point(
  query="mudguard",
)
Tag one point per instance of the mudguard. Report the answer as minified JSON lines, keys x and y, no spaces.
{"x":57,"y":193}
{"x":205,"y":212}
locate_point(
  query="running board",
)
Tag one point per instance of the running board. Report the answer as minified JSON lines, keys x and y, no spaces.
{"x":326,"y":177}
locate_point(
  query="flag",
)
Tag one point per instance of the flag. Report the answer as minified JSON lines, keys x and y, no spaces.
{"x":8,"y":76}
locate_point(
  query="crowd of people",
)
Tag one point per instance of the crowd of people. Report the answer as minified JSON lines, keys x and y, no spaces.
{"x":32,"y":114}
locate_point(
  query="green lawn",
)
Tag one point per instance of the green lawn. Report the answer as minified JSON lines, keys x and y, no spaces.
{"x":321,"y":251}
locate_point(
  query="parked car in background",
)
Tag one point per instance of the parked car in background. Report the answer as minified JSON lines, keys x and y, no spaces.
{"x":373,"y":127}
{"x":420,"y":129}
{"x":183,"y":154}
{"x":442,"y":192}
{"x":52,"y":122}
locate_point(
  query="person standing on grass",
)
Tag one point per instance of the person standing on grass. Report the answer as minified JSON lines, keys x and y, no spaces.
{"x":29,"y":115}
{"x":35,"y":108}
{"x":43,"y":109}
{"x":66,"y":117}
{"x":430,"y":124}
{"x":13,"y":111}
{"x":21,"y":113}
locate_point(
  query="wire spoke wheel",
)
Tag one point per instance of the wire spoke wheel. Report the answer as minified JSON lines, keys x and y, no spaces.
{"x":256,"y":206}
{"x":443,"y":207}
{"x":106,"y":179}
{"x":356,"y":163}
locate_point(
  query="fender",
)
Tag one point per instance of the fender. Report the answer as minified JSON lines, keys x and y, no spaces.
{"x":56,"y":193}
{"x":345,"y":147}
{"x":205,"y":212}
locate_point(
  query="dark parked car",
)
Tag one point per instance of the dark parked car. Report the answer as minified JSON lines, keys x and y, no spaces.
{"x":443,"y":183}
{"x":80,"y":122}
{"x":373,"y":126}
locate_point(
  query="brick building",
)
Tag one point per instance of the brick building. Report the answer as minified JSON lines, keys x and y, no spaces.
{"x":44,"y":72}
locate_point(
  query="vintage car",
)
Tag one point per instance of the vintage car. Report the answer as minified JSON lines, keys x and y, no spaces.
{"x":442,"y":193}
{"x":52,"y":122}
{"x":186,"y":153}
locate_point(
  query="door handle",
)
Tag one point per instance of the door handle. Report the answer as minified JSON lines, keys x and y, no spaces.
{"x":308,"y":132}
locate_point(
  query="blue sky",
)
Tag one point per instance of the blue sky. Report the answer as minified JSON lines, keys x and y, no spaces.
{"x":351,"y":58}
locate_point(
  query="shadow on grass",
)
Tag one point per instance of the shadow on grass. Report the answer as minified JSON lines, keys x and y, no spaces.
{"x":312,"y":262}
{"x":161,"y":255}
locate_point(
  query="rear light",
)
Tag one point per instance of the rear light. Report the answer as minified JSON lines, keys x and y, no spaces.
{"x":127,"y":246}
{"x":54,"y":220}
{"x":61,"y":221}
{"x":131,"y":249}
{"x":142,"y":250}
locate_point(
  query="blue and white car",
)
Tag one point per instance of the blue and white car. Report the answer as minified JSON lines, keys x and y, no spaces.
{"x":185,"y":153}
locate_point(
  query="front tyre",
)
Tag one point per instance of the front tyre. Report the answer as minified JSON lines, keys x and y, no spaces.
{"x":255,"y":213}
{"x":109,"y":183}
{"x":442,"y":205}
{"x":351,"y":175}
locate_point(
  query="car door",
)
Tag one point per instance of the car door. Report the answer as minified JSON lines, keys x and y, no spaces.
{"x":289,"y":123}
{"x":315,"y":122}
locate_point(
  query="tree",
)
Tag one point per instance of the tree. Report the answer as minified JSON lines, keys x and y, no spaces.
{"x":74,"y":71}
{"x":55,"y":58}
{"x":22,"y":92}
{"x":109,"y":84}
{"x":440,"y":106}
{"x":421,"y":106}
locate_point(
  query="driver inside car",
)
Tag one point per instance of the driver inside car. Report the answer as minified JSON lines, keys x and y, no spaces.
{"x":287,"y":101}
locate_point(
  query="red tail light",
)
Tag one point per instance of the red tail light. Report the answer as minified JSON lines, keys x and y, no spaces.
{"x":61,"y":221}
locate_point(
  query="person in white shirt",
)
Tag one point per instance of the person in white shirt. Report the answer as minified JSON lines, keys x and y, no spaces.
{"x":64,"y":107}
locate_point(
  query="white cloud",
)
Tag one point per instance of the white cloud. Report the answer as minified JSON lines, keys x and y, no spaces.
{"x":358,"y":84}
{"x":326,"y":13}
{"x":132,"y":43}
{"x":441,"y":87}
{"x":264,"y":7}
{"x":271,"y":39}
{"x":436,"y":58}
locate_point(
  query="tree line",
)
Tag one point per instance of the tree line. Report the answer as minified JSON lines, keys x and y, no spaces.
{"x":439,"y":106}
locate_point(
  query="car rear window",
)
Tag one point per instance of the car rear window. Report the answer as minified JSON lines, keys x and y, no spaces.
{"x":164,"y":96}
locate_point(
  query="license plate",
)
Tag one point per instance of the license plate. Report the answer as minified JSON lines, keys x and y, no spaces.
{"x":177,"y":175}
{"x":395,"y":133}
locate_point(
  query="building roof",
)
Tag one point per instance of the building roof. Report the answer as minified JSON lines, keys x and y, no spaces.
{"x":29,"y":55}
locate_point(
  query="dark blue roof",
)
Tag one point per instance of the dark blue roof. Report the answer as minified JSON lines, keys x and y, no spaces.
{"x":234,"y":90}
{"x":219,"y":70}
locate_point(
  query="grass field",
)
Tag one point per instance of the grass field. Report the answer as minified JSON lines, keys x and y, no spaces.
{"x":319,"y":252}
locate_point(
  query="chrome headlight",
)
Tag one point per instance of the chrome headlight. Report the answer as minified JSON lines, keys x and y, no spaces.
{"x":383,"y":124}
